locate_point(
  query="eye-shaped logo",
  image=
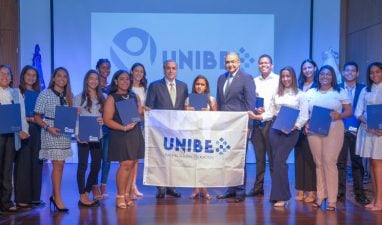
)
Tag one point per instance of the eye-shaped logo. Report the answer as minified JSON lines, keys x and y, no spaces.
{"x":125,"y":41}
{"x":222,"y":146}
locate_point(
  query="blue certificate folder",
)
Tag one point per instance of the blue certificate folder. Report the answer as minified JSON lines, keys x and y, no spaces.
{"x":374,"y":118}
{"x":65,"y":119}
{"x":88,"y":129}
{"x":198,"y":101}
{"x":286,"y":118}
{"x":128,"y":111}
{"x":320,"y":120}
{"x":259,"y":102}
{"x":10,"y":118}
{"x":30,"y":102}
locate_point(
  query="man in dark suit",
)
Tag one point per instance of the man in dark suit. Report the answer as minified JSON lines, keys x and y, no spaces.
{"x":236,"y":91}
{"x":350,"y":74}
{"x":167,"y":93}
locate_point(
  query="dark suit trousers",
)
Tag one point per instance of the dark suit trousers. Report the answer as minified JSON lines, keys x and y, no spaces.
{"x":305,"y":167}
{"x":83,"y":155}
{"x":282,"y":144}
{"x":28,"y":168}
{"x":356,"y":164}
{"x":260,"y":141}
{"x":7,"y":156}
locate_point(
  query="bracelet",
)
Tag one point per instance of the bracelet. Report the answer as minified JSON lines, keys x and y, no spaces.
{"x":46,"y":127}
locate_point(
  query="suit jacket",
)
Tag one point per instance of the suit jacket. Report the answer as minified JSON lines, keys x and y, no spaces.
{"x":158,"y":96}
{"x":352,"y":119}
{"x":241,"y":95}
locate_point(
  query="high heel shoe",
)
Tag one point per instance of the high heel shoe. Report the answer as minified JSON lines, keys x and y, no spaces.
{"x":129,"y":201}
{"x":96,"y":193}
{"x":206,"y":196}
{"x":311,"y":197}
{"x":51,"y":200}
{"x":121,"y":205}
{"x":194,"y":195}
{"x":299,"y":196}
{"x":281,"y":204}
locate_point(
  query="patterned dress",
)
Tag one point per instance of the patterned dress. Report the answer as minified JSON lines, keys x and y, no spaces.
{"x":52,"y":147}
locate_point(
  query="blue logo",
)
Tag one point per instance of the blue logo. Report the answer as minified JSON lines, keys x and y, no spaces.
{"x":195,"y":145}
{"x":121,"y":40}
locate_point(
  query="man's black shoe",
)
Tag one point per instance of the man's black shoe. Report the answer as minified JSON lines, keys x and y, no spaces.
{"x":173,"y":193}
{"x":256,"y":193}
{"x":341,"y":197}
{"x":362,"y":199}
{"x":160,"y":194}
{"x":226,"y":195}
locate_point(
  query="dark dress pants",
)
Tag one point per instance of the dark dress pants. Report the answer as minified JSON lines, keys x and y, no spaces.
{"x":260,"y":141}
{"x":7,"y":157}
{"x":282,"y":144}
{"x":356,"y":164}
{"x":83,"y":155}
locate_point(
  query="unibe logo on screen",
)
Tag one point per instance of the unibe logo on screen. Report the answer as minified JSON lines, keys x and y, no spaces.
{"x":219,"y":146}
{"x":191,"y":59}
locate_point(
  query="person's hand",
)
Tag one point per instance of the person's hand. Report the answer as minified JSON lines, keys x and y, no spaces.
{"x":362,"y":119}
{"x":23,"y":135}
{"x":260,"y":110}
{"x":190,"y":108}
{"x":129,"y":127}
{"x":306,"y":129}
{"x":285,"y":132}
{"x":78,"y":140}
{"x":335,"y":115}
{"x":146,"y":108}
{"x":54,"y":131}
{"x":78,"y":111}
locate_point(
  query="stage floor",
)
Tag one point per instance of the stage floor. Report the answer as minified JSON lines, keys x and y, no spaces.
{"x":149,"y":210}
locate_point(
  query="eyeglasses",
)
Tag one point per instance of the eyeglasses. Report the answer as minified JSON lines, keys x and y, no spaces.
{"x":2,"y":74}
{"x":325,"y":75}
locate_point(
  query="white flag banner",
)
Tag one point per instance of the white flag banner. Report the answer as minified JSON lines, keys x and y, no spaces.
{"x":195,"y":148}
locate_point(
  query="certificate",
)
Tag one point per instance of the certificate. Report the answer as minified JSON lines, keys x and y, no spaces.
{"x":198,"y":101}
{"x":65,"y":119}
{"x":286,"y":118}
{"x":88,"y":129}
{"x":320,"y":120}
{"x":374,"y":116}
{"x":128,"y":111}
{"x":30,"y":102}
{"x":10,"y":118}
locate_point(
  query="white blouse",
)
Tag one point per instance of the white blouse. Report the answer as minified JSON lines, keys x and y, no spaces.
{"x":330,"y":99}
{"x":373,"y":97}
{"x":292,"y":100}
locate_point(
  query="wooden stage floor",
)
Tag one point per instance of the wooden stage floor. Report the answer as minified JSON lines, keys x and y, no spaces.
{"x":148,"y":210}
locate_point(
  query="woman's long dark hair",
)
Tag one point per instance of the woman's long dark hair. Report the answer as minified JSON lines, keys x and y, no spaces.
{"x":67,"y":90}
{"x":85,"y":96}
{"x":23,"y":86}
{"x":207,"y":91}
{"x":281,"y":87}
{"x":113,"y":85}
{"x":334,"y":83}
{"x":369,"y":81}
{"x":302,"y":78}
{"x":143,"y":82}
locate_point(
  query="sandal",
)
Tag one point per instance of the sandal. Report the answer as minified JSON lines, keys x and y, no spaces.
{"x":129,"y":201}
{"x":96,"y":193}
{"x":206,"y":196}
{"x":121,"y":205}
{"x":194,"y":195}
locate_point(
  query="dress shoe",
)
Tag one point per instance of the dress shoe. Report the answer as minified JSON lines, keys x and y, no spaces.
{"x":160,"y":194}
{"x":362,"y":199}
{"x":281,"y":204}
{"x":226,"y":195}
{"x":239,"y":199}
{"x":173,"y":193}
{"x":37,"y":203}
{"x":255,"y":193}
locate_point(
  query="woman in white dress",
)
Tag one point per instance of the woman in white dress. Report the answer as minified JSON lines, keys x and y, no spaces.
{"x":369,"y":141}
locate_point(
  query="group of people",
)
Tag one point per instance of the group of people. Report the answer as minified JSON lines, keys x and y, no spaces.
{"x":320,"y":161}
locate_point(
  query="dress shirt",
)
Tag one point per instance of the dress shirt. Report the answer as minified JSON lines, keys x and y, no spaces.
{"x":267,"y":88}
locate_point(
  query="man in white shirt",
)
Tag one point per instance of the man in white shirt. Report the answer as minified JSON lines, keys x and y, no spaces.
{"x":266,"y":86}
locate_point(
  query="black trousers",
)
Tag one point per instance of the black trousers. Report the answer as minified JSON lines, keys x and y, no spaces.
{"x":305,"y":168}
{"x":7,"y":157}
{"x":356,"y":165}
{"x":260,"y":141}
{"x":94,"y":148}
{"x":282,"y":144}
{"x":28,"y":168}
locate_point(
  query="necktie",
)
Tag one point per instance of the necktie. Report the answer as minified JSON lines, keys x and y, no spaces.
{"x":350,"y":93}
{"x":172,"y":94}
{"x":229,"y":81}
